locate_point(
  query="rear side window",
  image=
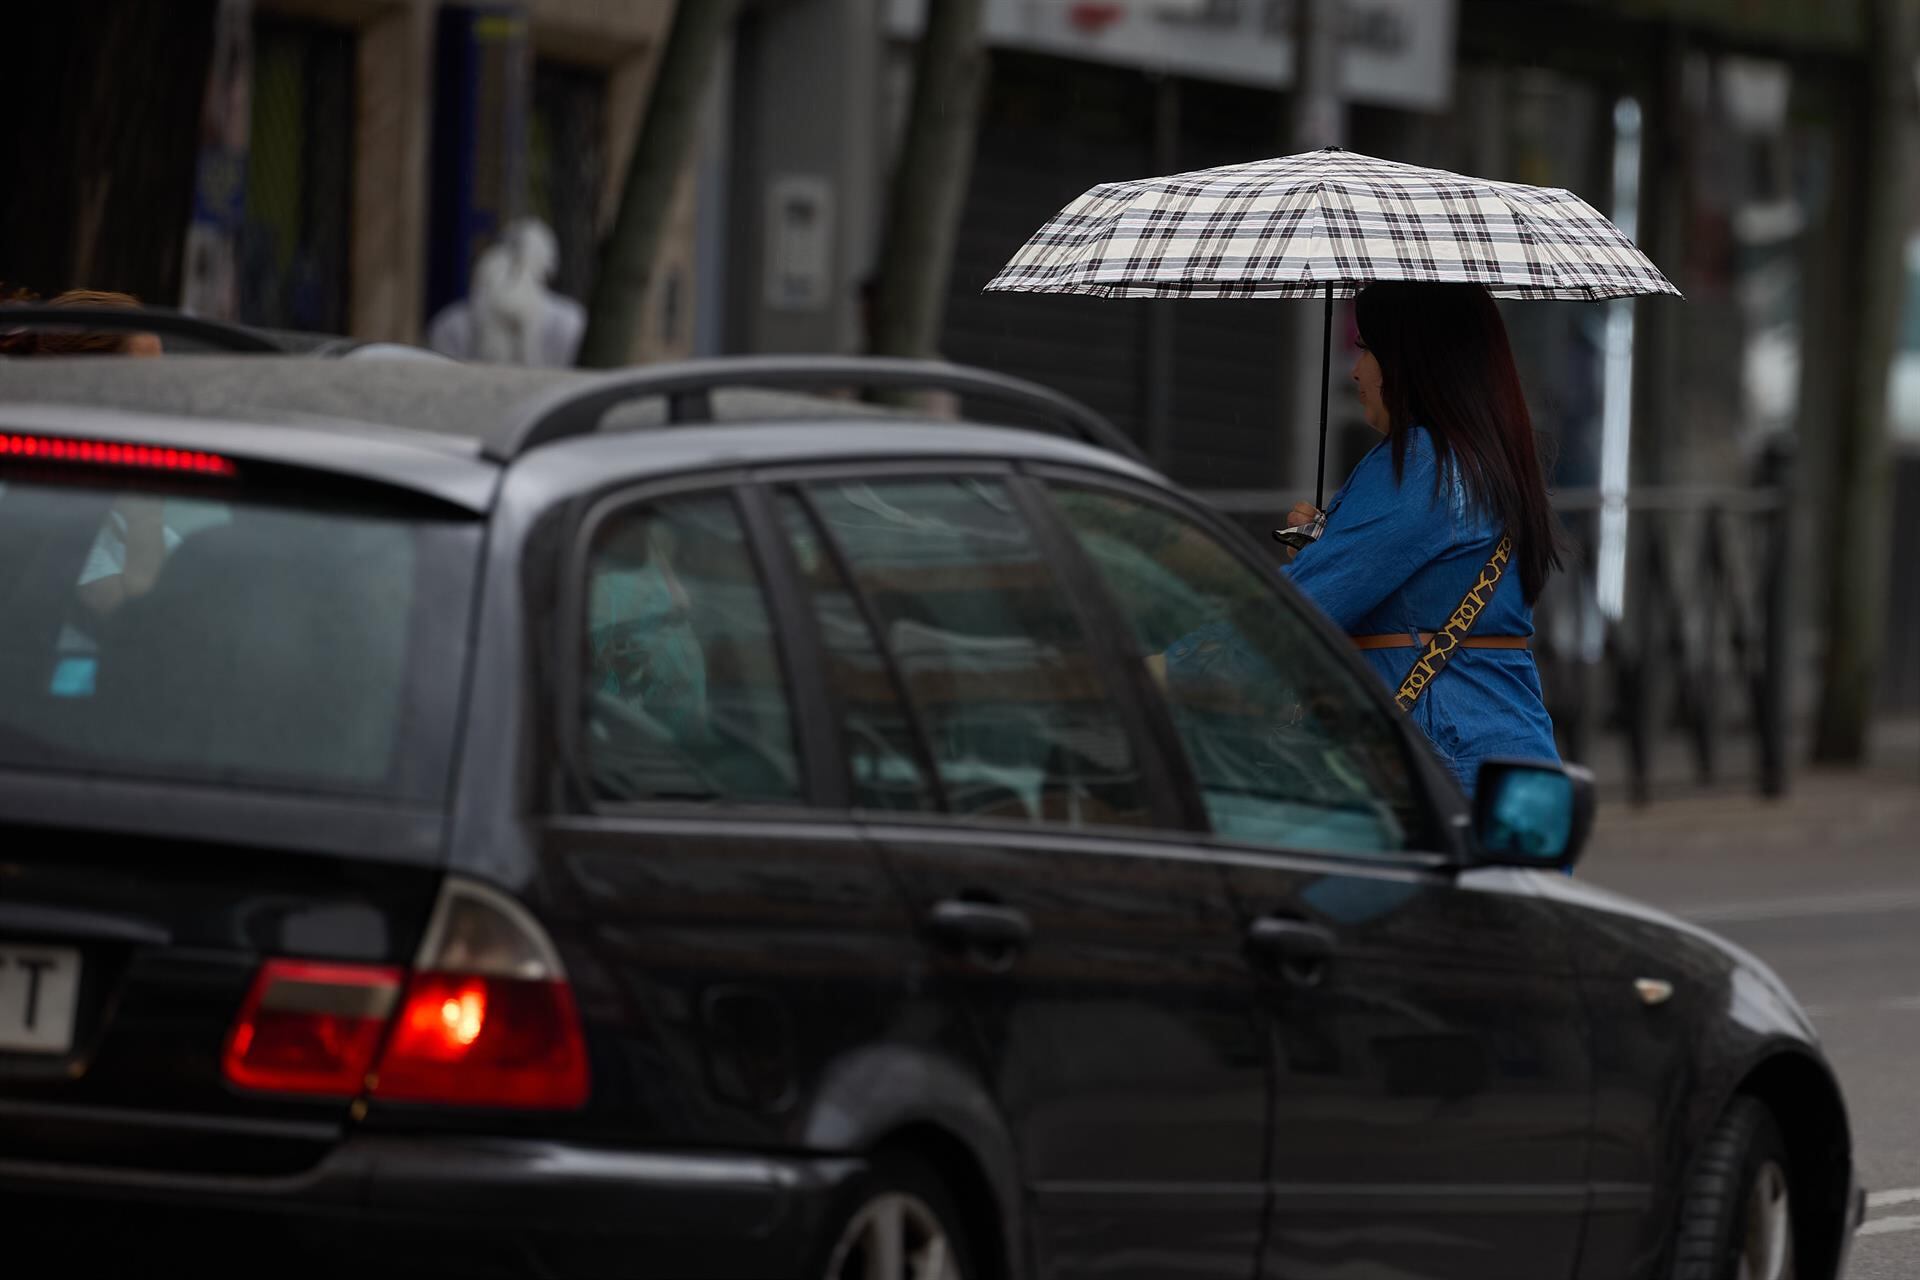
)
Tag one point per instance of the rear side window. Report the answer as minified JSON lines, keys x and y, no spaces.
{"x":229,"y":635}
{"x":876,"y":733}
{"x":683,"y":696}
{"x":992,"y":657}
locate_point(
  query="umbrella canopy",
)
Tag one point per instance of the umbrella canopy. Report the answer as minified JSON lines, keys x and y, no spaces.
{"x":1323,"y":224}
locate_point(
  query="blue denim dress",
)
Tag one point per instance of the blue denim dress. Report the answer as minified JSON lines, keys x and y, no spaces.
{"x":1396,"y":558}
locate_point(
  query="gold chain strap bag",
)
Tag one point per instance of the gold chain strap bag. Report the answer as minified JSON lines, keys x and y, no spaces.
{"x":1440,"y":649}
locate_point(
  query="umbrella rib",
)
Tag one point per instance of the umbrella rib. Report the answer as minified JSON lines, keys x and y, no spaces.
{"x":1546,"y":246}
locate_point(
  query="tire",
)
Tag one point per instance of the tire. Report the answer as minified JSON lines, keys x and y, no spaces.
{"x":1736,"y":1218}
{"x":898,"y":1192}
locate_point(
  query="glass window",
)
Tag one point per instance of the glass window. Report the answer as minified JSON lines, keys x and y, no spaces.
{"x":295,"y":242}
{"x":992,"y":656}
{"x":684,"y":696}
{"x":228,"y":634}
{"x":876,"y":732}
{"x":1286,"y":745}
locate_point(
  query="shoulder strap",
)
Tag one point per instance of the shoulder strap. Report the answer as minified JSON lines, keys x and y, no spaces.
{"x":1440,"y":651}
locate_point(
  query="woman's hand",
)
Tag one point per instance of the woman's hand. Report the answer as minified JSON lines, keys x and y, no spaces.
{"x":1302,"y":515}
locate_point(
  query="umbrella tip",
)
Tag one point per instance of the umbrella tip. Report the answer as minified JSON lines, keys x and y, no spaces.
{"x":1333,"y":147}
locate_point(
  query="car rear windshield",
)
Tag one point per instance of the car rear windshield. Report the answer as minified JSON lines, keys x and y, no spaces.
{"x":226,"y":633}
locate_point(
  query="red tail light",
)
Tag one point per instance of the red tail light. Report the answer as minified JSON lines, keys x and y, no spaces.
{"x":491,"y":1042}
{"x":110,"y":453}
{"x":310,"y":1028}
{"x":488,"y":1019}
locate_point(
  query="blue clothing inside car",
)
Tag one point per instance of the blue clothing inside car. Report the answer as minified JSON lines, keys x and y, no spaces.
{"x":1395,"y":558}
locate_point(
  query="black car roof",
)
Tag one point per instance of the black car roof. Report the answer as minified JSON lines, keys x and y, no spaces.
{"x":440,"y":427}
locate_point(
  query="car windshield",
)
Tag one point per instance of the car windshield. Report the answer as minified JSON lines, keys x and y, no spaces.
{"x":224,"y":634}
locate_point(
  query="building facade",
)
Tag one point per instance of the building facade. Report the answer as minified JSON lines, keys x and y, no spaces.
{"x":352,"y":156}
{"x":1726,"y":135}
{"x":357,"y":154}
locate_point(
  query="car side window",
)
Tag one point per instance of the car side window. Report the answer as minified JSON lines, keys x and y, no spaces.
{"x":876,"y":734}
{"x":683,"y":693}
{"x":992,"y":657}
{"x":1286,"y":746}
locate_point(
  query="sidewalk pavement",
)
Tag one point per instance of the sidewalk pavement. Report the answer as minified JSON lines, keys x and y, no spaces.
{"x":1835,"y":835}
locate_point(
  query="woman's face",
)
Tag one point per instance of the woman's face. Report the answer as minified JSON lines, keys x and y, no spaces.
{"x":1366,"y":382}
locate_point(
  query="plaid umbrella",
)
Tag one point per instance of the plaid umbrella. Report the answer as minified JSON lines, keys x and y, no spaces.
{"x":1323,"y":224}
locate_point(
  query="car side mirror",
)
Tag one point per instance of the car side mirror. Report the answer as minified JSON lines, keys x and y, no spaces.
{"x":1532,"y":813}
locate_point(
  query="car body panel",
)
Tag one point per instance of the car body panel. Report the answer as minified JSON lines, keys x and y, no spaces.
{"x":170,"y":932}
{"x":1664,"y":1072}
{"x":473,"y":1206}
{"x":1432,"y":1086}
{"x":1122,"y":1043}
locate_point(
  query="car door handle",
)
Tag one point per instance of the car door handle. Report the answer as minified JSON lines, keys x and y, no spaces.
{"x":1293,"y":941}
{"x":980,"y":924}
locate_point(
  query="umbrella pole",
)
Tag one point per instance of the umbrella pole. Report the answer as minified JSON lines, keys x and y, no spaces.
{"x":1326,"y":358}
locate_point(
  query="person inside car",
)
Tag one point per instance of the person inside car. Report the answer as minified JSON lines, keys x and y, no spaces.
{"x":134,"y":540}
{"x":644,"y":650}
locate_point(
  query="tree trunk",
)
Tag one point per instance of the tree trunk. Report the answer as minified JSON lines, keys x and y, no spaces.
{"x":929,"y":182}
{"x":102,"y":103}
{"x":660,"y":153}
{"x":1857,"y":555}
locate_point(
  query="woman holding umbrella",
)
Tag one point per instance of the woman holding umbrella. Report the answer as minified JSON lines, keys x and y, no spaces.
{"x":1433,"y":553}
{"x":1417,"y":524}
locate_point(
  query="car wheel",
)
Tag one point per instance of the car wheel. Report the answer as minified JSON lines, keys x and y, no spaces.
{"x":898,"y":1224}
{"x":1736,"y":1222}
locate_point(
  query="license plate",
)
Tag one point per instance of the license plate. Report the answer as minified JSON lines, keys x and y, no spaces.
{"x":39,"y":990}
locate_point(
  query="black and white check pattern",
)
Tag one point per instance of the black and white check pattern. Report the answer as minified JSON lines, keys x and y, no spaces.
{"x":1292,"y":226}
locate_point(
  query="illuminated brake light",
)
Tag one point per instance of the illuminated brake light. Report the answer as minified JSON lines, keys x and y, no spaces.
{"x":108,"y":453}
{"x":485,"y":1042}
{"x":310,"y":1027}
{"x":488,"y":1019}
{"x":485,"y":1019}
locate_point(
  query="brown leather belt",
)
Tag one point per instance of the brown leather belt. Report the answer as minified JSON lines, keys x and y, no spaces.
{"x":1426,"y":638}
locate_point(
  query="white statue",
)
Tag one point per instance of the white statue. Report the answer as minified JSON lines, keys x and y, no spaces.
{"x":509,"y":315}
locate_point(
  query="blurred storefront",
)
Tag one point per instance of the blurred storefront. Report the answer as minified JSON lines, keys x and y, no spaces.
{"x":294,"y":271}
{"x":1528,"y":92}
{"x":353,"y":155}
{"x":1724,"y":133}
{"x":103,"y":103}
{"x":357,"y":155}
{"x":1090,"y":93}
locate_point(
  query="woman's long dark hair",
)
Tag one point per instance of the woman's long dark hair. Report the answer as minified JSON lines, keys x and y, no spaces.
{"x":1445,"y":365}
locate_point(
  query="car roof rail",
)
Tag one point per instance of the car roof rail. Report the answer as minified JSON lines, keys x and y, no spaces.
{"x":688,"y":388}
{"x":164,"y":321}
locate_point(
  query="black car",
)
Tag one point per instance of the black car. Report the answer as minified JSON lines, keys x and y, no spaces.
{"x":476,"y":821}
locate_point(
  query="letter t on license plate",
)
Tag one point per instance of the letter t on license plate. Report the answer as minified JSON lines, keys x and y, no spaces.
{"x":39,"y":989}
